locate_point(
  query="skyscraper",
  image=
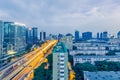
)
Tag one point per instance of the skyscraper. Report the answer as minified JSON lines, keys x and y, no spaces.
{"x":76,"y":35}
{"x":87,"y":35}
{"x":101,"y":35}
{"x":42,"y":36}
{"x":14,"y":36}
{"x":41,"y":39}
{"x":60,"y":62}
{"x":98,"y":35}
{"x":1,"y":37}
{"x":35,"y":35}
{"x":29,"y":36}
{"x":105,"y":35}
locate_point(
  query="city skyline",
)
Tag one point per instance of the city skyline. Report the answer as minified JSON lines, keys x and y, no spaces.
{"x":59,"y":16}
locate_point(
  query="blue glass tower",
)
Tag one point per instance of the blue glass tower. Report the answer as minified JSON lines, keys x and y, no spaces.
{"x":35,"y":35}
{"x":29,"y":36}
{"x":87,"y":35}
{"x":76,"y":35}
{"x":42,"y":36}
{"x":14,"y":36}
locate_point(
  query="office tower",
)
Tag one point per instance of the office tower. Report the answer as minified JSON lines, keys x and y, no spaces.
{"x":98,"y":35}
{"x":42,"y":36}
{"x":76,"y":35}
{"x":87,"y":35}
{"x":60,"y":62}
{"x":14,"y":36}
{"x":29,"y":36}
{"x":105,"y":35}
{"x":101,"y":35}
{"x":41,"y":39}
{"x":118,"y":35}
{"x":1,"y":37}
{"x":35,"y":35}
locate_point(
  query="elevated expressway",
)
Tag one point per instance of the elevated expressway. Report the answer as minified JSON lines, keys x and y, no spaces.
{"x":21,"y":68}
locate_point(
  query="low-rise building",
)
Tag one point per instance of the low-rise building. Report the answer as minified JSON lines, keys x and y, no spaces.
{"x":93,"y":59}
{"x":98,"y":47}
{"x":102,"y":75}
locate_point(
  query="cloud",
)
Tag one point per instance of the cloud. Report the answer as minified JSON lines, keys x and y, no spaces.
{"x":56,"y":15}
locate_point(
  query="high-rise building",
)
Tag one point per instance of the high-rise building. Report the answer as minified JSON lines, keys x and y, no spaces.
{"x":14,"y":36}
{"x":1,"y":37}
{"x":35,"y":35}
{"x":60,"y":62}
{"x":105,"y":35}
{"x":41,"y":39}
{"x":118,"y":35}
{"x":42,"y":36}
{"x":101,"y":35}
{"x":76,"y":35}
{"x":87,"y":35}
{"x":98,"y":35}
{"x":29,"y":36}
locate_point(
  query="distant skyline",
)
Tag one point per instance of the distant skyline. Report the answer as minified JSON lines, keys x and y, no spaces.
{"x":64,"y":16}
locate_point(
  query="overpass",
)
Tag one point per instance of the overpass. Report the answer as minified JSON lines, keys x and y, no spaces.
{"x":21,"y":68}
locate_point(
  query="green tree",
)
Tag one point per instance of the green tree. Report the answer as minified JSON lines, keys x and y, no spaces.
{"x":44,"y":74}
{"x":80,"y":67}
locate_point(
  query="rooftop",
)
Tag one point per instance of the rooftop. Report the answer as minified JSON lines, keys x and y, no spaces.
{"x":102,"y":75}
{"x":95,"y":56}
{"x":15,"y":23}
{"x":60,"y":47}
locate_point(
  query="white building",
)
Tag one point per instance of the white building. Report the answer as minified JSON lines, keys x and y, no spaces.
{"x":92,"y":59}
{"x":60,"y":62}
{"x":102,"y":75}
{"x":97,"y":47}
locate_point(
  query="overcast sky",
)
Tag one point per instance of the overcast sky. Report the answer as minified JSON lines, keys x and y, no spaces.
{"x":63,"y":16}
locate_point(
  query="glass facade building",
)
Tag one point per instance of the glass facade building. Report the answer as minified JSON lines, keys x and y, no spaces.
{"x":42,"y":36}
{"x":76,"y":35}
{"x":87,"y":35}
{"x":35,"y":35}
{"x":14,"y":36}
{"x":29,"y":36}
{"x":1,"y":38}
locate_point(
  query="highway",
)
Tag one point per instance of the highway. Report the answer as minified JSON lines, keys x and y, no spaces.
{"x":6,"y":70}
{"x":29,"y":62}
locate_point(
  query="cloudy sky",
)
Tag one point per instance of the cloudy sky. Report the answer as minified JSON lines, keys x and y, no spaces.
{"x":63,"y":16}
